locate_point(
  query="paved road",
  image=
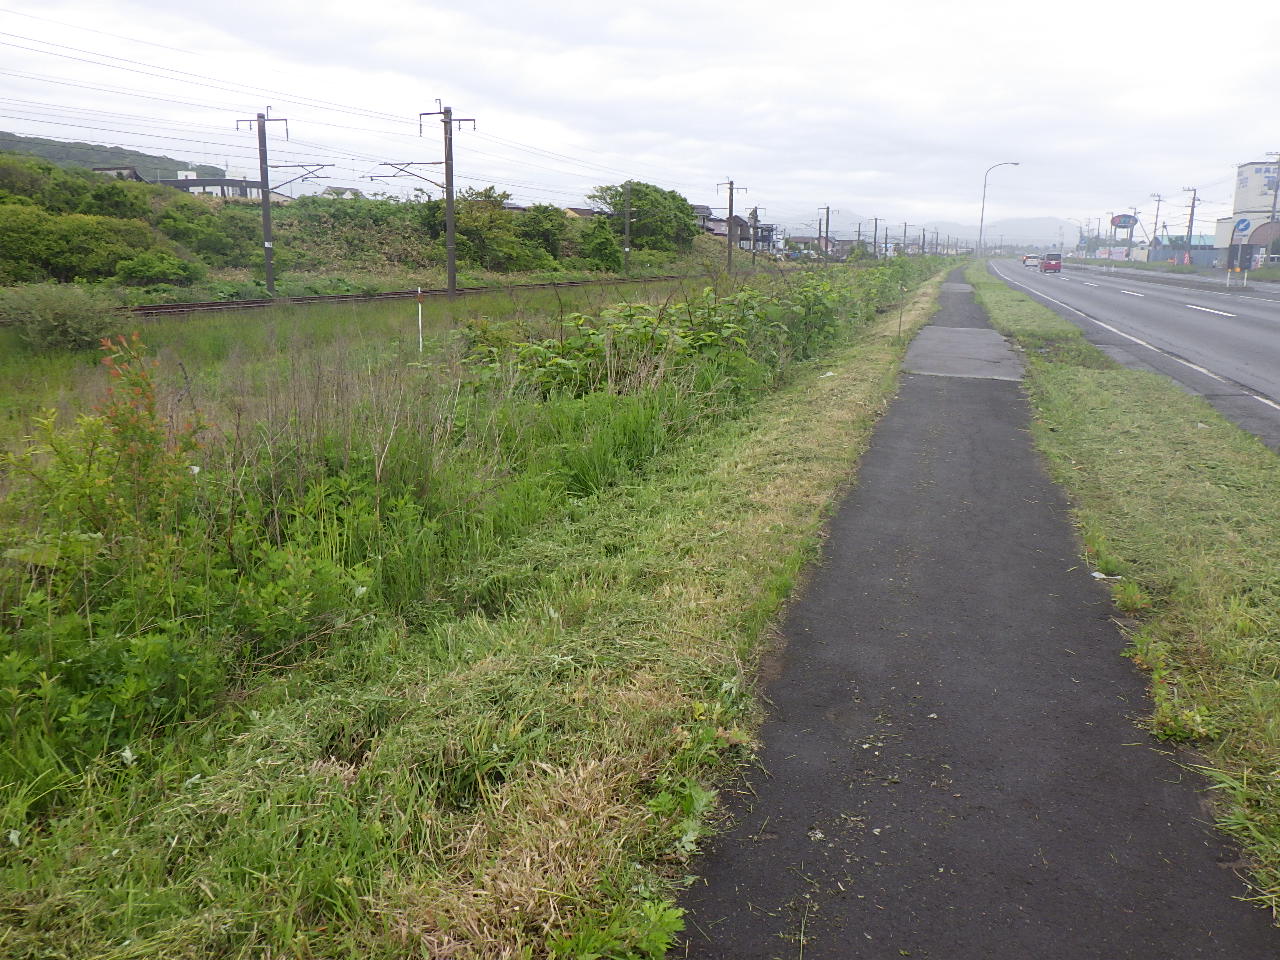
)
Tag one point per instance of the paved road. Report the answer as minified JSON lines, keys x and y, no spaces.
{"x":950,"y":769}
{"x":1222,"y":345}
{"x":1208,"y":280}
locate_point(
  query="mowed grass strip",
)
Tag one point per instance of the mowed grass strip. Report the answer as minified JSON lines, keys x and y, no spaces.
{"x":1185,"y":508}
{"x":525,"y":784}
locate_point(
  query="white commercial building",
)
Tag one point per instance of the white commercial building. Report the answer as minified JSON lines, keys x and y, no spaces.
{"x":1250,"y":224}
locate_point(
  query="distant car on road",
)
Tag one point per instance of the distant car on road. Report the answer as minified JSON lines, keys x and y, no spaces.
{"x":1051,"y":263}
{"x":1031,"y":260}
{"x":1024,"y":257}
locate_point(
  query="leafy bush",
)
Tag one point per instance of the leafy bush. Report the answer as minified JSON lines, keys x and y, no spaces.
{"x":51,"y":315}
{"x":113,"y":200}
{"x":600,"y":247}
{"x":155,"y":266}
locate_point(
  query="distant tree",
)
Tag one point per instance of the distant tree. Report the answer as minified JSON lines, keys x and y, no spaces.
{"x":86,"y":247}
{"x":113,"y":200}
{"x":660,"y":219}
{"x":545,"y":225}
{"x":24,"y":242}
{"x":57,"y":190}
{"x":599,"y":246}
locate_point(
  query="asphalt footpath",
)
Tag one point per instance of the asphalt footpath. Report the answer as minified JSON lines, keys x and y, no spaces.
{"x":951,"y":767}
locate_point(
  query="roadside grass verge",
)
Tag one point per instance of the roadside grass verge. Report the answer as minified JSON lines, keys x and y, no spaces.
{"x":523,"y":775}
{"x":1185,"y":508}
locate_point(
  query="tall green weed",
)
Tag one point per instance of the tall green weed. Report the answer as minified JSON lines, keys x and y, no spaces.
{"x":152,"y":567}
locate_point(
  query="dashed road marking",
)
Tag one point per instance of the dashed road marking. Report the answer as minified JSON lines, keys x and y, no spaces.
{"x":1132,"y":294}
{"x":1150,"y":346}
{"x":1221,"y":313}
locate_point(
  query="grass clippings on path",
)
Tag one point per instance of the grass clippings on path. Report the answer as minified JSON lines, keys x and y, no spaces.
{"x":1184,"y":507}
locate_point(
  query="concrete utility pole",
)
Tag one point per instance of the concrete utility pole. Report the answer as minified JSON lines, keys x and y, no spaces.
{"x":825,"y":233}
{"x":626,"y":228}
{"x":728,"y":224}
{"x":1155,"y":223}
{"x":264,"y":186}
{"x":447,"y":120}
{"x":1191,"y":220}
{"x":875,"y":238}
{"x":755,"y":226}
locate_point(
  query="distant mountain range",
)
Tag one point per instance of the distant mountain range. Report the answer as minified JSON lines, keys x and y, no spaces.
{"x":66,"y":154}
{"x":1035,"y":231}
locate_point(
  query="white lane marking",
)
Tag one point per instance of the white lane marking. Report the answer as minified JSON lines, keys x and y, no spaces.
{"x":1088,"y":284}
{"x":1220,"y":313}
{"x":1120,"y":333}
{"x":1164,"y":353}
{"x":1132,"y":294}
{"x":1241,"y":296}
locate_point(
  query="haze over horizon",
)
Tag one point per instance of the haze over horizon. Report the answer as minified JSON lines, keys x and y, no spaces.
{"x":875,"y":112}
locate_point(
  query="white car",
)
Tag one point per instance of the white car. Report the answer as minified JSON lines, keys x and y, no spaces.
{"x":1031,"y":260}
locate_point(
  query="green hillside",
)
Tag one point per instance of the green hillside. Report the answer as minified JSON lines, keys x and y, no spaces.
{"x":65,"y":154}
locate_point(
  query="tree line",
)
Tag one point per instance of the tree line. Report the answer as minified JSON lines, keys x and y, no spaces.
{"x":74,"y":225}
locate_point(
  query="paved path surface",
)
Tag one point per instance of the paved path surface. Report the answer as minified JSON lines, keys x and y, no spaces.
{"x":950,"y":769}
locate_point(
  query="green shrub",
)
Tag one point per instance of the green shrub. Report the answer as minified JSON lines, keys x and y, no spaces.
{"x":155,"y":266}
{"x":599,"y":247}
{"x":50,"y":315}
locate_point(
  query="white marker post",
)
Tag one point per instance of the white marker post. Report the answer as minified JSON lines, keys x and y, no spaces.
{"x":419,"y":319}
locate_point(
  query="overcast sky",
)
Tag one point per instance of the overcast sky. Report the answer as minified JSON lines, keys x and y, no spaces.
{"x":877,"y":109}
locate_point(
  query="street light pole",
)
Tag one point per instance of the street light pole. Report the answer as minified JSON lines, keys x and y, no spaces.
{"x":982,"y":216}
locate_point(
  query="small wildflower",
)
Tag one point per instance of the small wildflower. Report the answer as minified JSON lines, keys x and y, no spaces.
{"x":128,"y":756}
{"x":194,"y":468}
{"x":15,"y":838}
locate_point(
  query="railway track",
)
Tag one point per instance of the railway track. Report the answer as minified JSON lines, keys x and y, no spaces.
{"x":163,"y":309}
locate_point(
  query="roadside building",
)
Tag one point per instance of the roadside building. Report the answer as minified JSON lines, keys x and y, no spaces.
{"x":581,"y":213}
{"x":226,"y":188}
{"x":1252,"y":230}
{"x":818,"y":246}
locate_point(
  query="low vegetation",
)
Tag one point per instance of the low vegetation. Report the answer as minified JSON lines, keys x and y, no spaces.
{"x":1184,"y":507}
{"x":150,"y":243}
{"x":428,"y":657}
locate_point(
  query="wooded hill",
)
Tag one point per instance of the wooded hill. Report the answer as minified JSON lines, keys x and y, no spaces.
{"x":67,"y":154}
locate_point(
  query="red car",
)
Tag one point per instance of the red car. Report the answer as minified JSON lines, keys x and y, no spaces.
{"x":1051,"y":263}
